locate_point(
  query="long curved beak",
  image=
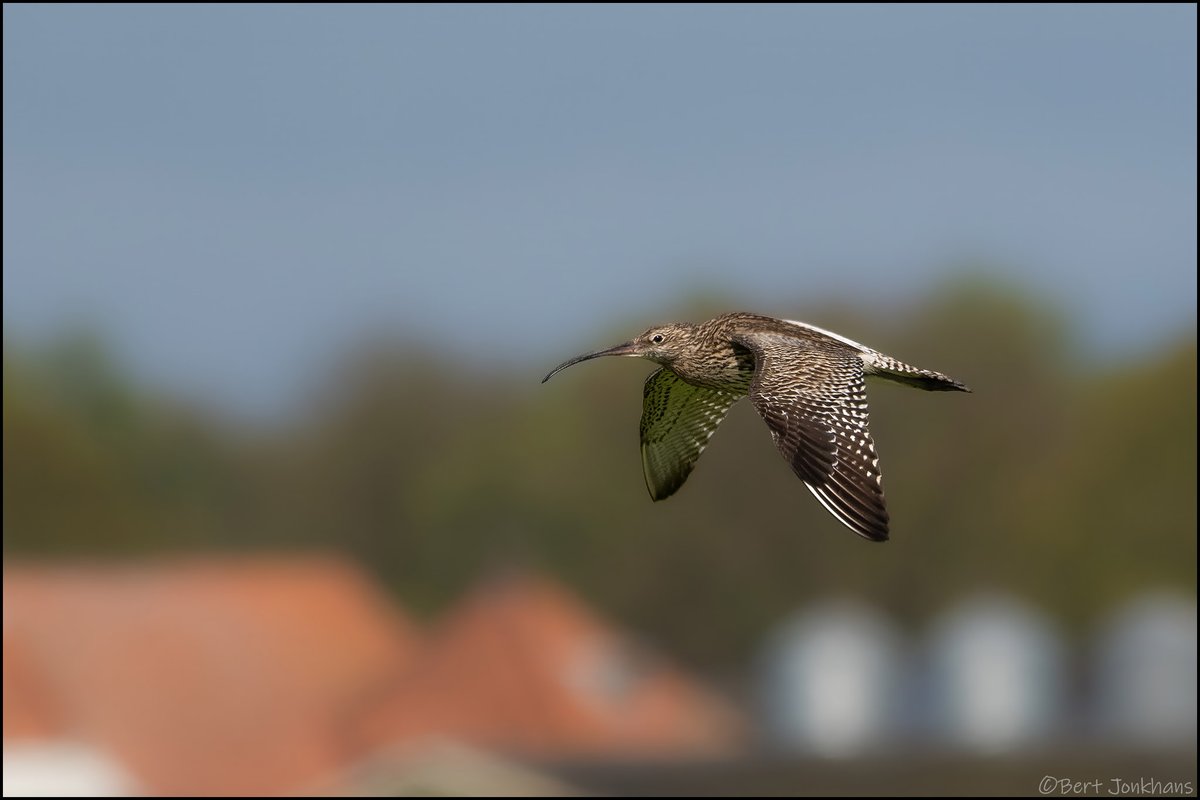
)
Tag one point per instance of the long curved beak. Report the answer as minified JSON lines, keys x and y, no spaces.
{"x":626,"y":349}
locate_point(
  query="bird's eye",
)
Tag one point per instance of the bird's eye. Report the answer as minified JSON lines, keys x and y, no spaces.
{"x":657,"y":338}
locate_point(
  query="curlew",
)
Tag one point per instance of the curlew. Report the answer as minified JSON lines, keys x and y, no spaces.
{"x":808,"y":384}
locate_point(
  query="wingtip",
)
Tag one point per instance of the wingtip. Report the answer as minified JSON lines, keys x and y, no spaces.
{"x":660,"y":492}
{"x":658,"y":496}
{"x":871,"y":533}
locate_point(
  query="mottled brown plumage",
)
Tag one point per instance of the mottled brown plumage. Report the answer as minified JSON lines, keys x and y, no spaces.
{"x":808,"y":384}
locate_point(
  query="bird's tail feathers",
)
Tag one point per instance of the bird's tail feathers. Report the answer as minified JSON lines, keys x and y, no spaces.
{"x":891,"y":369}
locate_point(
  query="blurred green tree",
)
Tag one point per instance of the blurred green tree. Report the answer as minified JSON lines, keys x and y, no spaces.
{"x":1070,"y":483}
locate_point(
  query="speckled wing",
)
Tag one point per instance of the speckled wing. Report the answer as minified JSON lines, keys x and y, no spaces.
{"x":677,"y":421}
{"x":812,"y":395}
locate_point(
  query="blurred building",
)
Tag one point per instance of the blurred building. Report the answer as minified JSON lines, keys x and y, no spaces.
{"x":297,"y":675}
{"x":996,"y":676}
{"x":521,"y":666}
{"x":1146,"y":683}
{"x":60,"y":769}
{"x":831,"y":680}
{"x":201,"y":676}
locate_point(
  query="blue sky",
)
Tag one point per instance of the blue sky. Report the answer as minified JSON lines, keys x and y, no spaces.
{"x":232,"y":194}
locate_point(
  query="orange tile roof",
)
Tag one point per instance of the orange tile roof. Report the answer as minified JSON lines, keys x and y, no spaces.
{"x":273,"y":674}
{"x":206,"y":676}
{"x":30,"y":708}
{"x":522,"y":667}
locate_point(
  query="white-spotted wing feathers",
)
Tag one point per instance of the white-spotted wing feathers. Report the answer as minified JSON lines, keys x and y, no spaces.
{"x":812,"y":395}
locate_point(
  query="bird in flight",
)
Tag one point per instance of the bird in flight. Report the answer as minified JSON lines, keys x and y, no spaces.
{"x":808,"y":384}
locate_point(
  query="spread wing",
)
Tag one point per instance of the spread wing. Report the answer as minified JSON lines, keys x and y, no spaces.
{"x":812,"y":395}
{"x":677,"y":421}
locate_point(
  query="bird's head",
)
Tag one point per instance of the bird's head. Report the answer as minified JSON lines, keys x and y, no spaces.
{"x":661,"y":344}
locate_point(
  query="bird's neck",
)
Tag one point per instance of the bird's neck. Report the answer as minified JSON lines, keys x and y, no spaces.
{"x":716,"y":364}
